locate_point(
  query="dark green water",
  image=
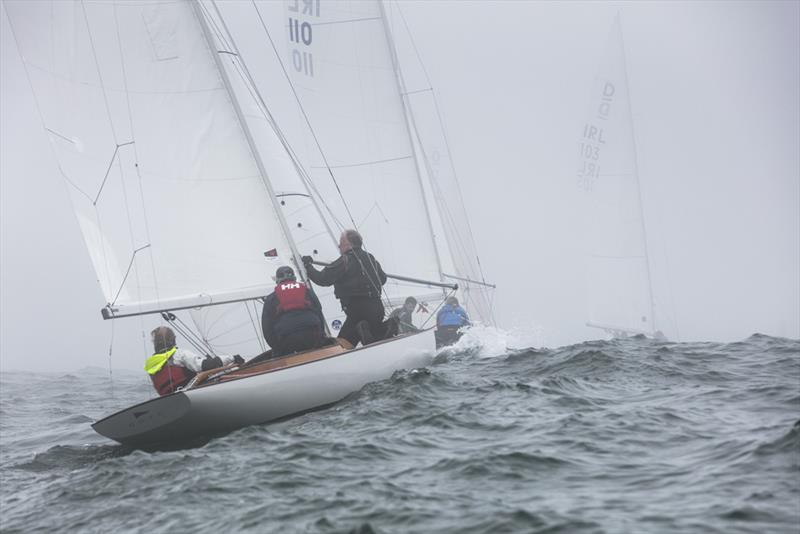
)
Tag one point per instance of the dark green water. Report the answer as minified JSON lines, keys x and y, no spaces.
{"x":605,"y":436}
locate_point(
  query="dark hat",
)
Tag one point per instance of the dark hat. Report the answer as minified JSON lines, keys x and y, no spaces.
{"x":284,"y":273}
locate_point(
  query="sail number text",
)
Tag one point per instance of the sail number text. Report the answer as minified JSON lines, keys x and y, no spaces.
{"x":301,"y":34}
{"x":592,"y":141}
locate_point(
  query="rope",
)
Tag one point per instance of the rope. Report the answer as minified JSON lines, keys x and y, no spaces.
{"x":252,"y":88}
{"x":434,"y":312}
{"x":193,"y":339}
{"x":259,"y":336}
{"x":449,"y":152}
{"x":110,"y":371}
{"x":136,"y":166}
{"x":305,"y":116}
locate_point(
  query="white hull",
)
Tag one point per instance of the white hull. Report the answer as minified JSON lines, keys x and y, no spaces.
{"x":276,"y":394}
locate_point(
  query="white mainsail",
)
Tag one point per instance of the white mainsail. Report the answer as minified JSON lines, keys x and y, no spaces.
{"x":618,"y":272}
{"x":169,"y":196}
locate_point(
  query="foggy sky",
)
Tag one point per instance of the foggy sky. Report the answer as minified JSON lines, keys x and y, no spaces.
{"x":715,"y":93}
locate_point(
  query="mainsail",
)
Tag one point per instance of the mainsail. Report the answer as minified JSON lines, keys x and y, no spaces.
{"x":618,"y":272}
{"x":168,"y":192}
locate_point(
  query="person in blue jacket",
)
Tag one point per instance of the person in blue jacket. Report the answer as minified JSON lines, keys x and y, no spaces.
{"x":448,"y":321}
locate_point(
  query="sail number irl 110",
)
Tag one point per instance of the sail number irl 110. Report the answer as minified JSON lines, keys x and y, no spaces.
{"x":301,"y":34}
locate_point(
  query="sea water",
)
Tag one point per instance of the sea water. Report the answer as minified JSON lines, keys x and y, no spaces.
{"x":605,"y":436}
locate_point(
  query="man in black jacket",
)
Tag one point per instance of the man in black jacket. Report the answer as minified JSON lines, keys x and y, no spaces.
{"x":357,"y":278}
{"x":292,"y":316}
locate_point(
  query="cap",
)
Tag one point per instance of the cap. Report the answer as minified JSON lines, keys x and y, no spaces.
{"x":283,"y":273}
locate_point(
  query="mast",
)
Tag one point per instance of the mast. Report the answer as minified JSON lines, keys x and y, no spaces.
{"x":636,"y":174}
{"x":409,"y":121}
{"x":248,"y":134}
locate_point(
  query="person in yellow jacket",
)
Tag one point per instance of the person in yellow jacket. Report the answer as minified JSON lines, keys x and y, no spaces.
{"x":171,"y":368}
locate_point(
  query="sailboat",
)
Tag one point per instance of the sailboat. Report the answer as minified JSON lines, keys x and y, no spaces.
{"x":619,"y":283}
{"x":189,"y":191}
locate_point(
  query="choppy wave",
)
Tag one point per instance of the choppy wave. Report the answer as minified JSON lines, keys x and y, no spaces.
{"x":605,"y":436}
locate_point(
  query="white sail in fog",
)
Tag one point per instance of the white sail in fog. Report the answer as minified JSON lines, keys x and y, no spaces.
{"x":168,"y":193}
{"x":618,"y":272}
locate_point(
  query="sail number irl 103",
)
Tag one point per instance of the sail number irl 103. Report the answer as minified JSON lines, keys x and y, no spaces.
{"x":301,"y":34}
{"x":592,"y":141}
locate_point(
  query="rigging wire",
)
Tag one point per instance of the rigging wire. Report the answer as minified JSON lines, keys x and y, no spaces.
{"x":252,"y":88}
{"x":444,"y":136}
{"x":259,"y":338}
{"x":305,"y":116}
{"x":188,"y":334}
{"x":244,"y":73}
{"x":138,"y":182}
{"x":110,"y":371}
{"x":436,"y":310}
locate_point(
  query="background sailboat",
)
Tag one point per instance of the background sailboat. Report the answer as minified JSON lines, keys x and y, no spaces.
{"x":619,"y":283}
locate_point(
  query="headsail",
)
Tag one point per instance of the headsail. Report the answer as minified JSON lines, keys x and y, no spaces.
{"x":167,"y":191}
{"x":618,"y":272}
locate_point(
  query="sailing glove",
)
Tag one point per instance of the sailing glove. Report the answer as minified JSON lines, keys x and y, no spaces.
{"x":307,"y":260}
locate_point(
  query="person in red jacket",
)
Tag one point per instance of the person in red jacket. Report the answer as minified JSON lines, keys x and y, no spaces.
{"x":171,"y":368}
{"x":291,"y":319}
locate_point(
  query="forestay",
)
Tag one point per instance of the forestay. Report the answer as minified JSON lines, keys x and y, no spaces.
{"x":170,"y":200}
{"x":618,"y":278}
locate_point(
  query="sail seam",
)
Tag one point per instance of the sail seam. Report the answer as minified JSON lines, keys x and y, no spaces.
{"x":365,"y":19}
{"x":366,"y":163}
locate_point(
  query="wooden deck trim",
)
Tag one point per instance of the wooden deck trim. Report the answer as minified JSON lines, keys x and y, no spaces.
{"x":295,"y":360}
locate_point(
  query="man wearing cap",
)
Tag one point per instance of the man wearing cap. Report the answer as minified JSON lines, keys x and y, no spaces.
{"x":292,"y":316}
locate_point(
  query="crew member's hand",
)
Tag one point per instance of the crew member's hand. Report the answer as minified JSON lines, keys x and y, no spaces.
{"x":238,"y":360}
{"x":307,"y":260}
{"x":211,"y":362}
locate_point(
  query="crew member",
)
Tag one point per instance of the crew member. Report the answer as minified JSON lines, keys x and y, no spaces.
{"x":292,"y":316}
{"x":404,"y":316}
{"x":357,"y":278}
{"x":171,"y":368}
{"x":449,"y":320}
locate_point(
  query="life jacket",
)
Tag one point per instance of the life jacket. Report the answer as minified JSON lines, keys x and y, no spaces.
{"x":451,"y":316}
{"x":165,"y":376}
{"x":292,"y":296}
